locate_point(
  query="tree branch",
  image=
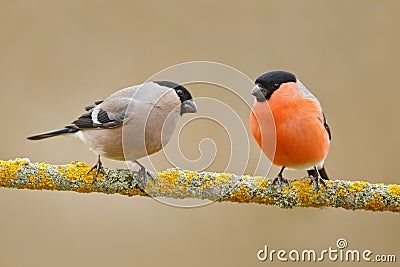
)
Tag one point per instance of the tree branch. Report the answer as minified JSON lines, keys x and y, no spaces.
{"x":179,"y":184}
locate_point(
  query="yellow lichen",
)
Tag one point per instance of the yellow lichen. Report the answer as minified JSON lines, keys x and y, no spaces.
{"x":46,"y":183}
{"x":303,"y":190}
{"x":357,"y":186}
{"x":167,"y":182}
{"x":8,"y":172}
{"x":258,"y":180}
{"x":191,"y":175}
{"x":261,"y":182}
{"x":341,"y":191}
{"x":375,"y":203}
{"x":19,"y":173}
{"x":306,"y":193}
{"x":263,"y":200}
{"x":79,"y":171}
{"x":171,"y":177}
{"x":32,"y":179}
{"x":223,"y":178}
{"x":287,"y":190}
{"x":10,"y":168}
{"x":241,"y":195}
{"x":131,"y":192}
{"x":394,"y":190}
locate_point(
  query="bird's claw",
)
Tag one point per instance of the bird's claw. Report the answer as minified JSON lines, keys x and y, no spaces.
{"x":143,"y":174}
{"x":317,"y":179}
{"x":99,"y":169}
{"x":280,"y":180}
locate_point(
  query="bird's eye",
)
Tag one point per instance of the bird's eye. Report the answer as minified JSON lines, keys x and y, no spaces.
{"x":276,"y":85}
{"x":179,"y":92}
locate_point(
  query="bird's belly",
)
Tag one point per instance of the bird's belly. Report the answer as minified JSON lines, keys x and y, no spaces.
{"x":143,"y":137}
{"x":288,"y":141}
{"x":104,"y":142}
{"x":301,"y":145}
{"x":139,"y":136}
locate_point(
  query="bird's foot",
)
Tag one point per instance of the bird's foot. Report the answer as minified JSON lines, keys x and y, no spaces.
{"x":280,"y":180}
{"x":99,"y":169}
{"x":316,"y":177}
{"x":143,"y":175}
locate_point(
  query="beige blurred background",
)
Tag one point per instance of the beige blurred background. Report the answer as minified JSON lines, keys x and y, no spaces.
{"x":58,"y":56}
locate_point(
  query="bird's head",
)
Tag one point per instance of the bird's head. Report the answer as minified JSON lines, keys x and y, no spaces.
{"x":267,"y":83}
{"x":187,"y":103}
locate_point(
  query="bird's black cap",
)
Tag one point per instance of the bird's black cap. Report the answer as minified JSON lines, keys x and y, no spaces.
{"x":272,"y":80}
{"x":187,"y":103}
{"x":180,"y":90}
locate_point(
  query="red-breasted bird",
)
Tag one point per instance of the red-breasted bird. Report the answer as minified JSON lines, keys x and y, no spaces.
{"x":131,"y":123}
{"x":297,"y":134}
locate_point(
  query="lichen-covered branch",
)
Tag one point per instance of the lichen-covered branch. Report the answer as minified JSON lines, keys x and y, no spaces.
{"x":178,"y":184}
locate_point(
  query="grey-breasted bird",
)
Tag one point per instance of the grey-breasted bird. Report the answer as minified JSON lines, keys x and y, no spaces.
{"x":131,"y":123}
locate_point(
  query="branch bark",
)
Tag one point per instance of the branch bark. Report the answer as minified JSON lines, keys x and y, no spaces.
{"x":179,"y":184}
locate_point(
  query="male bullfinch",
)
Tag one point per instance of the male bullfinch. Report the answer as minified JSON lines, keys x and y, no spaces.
{"x":131,"y":123}
{"x":296,"y":135}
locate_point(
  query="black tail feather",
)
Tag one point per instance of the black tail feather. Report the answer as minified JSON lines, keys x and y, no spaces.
{"x":322,"y":172}
{"x":53,"y":133}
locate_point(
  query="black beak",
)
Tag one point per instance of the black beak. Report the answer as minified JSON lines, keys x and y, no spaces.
{"x":259,"y":92}
{"x":189,"y":106}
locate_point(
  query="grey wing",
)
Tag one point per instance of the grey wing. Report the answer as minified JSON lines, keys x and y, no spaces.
{"x":87,"y":108}
{"x":108,"y":113}
{"x":307,"y":93}
{"x":97,"y":118}
{"x":310,"y":95}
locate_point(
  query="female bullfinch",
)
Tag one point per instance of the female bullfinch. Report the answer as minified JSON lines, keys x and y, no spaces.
{"x":289,"y":125}
{"x":131,"y":123}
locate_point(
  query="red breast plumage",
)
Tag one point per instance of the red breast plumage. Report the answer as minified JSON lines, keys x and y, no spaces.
{"x":288,"y":124}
